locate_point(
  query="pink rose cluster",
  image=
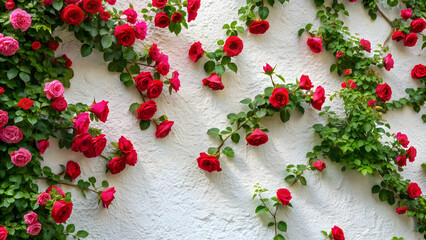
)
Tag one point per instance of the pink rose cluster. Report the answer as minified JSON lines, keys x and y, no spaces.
{"x":34,"y":227}
{"x":409,"y":36}
{"x":54,"y":90}
{"x":411,"y":152}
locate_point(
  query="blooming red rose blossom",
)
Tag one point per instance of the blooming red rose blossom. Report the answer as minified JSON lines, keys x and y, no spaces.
{"x":131,"y":15}
{"x":81,"y":122}
{"x":401,"y":210}
{"x":257,"y":138}
{"x":214,"y":82}
{"x":125,"y":145}
{"x":25,"y":103}
{"x":147,"y":110}
{"x":174,"y":81}
{"x":104,"y":15}
{"x":339,"y":55}
{"x":101,"y":110}
{"x":143,"y":80}
{"x":107,"y":196}
{"x":42,"y":145}
{"x":196,"y":51}
{"x":401,"y":160}
{"x":53,"y":44}
{"x":1,"y":90}
{"x":233,"y":46}
{"x":59,"y":104}
{"x":315,"y":44}
{"x":384,"y":92}
{"x":125,"y":35}
{"x":131,"y":158}
{"x":284,"y":196}
{"x":259,"y":27}
{"x":419,"y":71}
{"x":68,"y":62}
{"x":163,"y":129}
{"x":159,"y":3}
{"x":279,"y":97}
{"x":412,"y":153}
{"x":3,"y":233}
{"x":36,"y":45}
{"x":318,"y":98}
{"x":410,"y":40}
{"x":319,"y":165}
{"x":388,"y":61}
{"x":193,"y":6}
{"x":418,"y":25}
{"x":92,"y":6}
{"x":348,"y":71}
{"x":162,"y":20}
{"x":371,"y":102}
{"x":176,"y":17}
{"x":153,"y":52}
{"x":10,"y":4}
{"x":305,"y":83}
{"x":208,"y":163}
{"x":154,"y":89}
{"x":61,"y":211}
{"x":82,"y":142}
{"x":414,"y":190}
{"x":337,"y":233}
{"x":398,"y":36}
{"x":403,"y":139}
{"x":116,"y":165}
{"x":406,"y":14}
{"x":73,"y":169}
{"x":366,"y":45}
{"x":72,"y":14}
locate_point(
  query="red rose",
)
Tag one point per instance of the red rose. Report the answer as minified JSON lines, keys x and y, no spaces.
{"x":159,"y":3}
{"x":68,"y":62}
{"x":25,"y":103}
{"x":82,"y":142}
{"x":61,"y":211}
{"x":11,"y":134}
{"x":57,"y":189}
{"x":259,"y":27}
{"x":73,"y":169}
{"x":53,"y":44}
{"x":413,"y":190}
{"x":403,"y":139}
{"x":398,"y":36}
{"x":3,"y":231}
{"x":406,"y":14}
{"x":142,"y":80}
{"x":371,"y":102}
{"x":174,"y":81}
{"x":418,"y":25}
{"x":97,"y":146}
{"x":147,"y":110}
{"x":318,"y":98}
{"x":72,"y":15}
{"x":384,"y":92}
{"x":164,"y":128}
{"x":131,"y":14}
{"x":401,"y":210}
{"x":257,"y":137}
{"x":163,"y":66}
{"x":81,"y":123}
{"x":305,"y":83}
{"x":315,"y":44}
{"x":101,"y":110}
{"x":42,"y":145}
{"x":319,"y":165}
{"x":401,"y":160}
{"x":339,"y":55}
{"x":59,"y":104}
{"x":154,"y":89}
{"x":116,"y":165}
{"x":337,"y":233}
{"x":419,"y":71}
{"x":107,"y":196}
{"x":162,"y":20}
{"x":284,"y":196}
{"x":214,"y":82}
{"x":268,"y":70}
{"x":36,"y":45}
{"x":279,"y":97}
{"x":125,"y":35}
{"x":176,"y":17}
{"x":10,"y":4}
{"x":412,"y":153}
{"x":131,"y":158}
{"x":1,"y":90}
{"x":104,"y":15}
{"x":196,"y":51}
{"x":92,"y":6}
{"x":153,"y":52}
{"x":125,"y":145}
{"x":233,"y":46}
{"x":366,"y":45}
{"x":208,"y":163}
{"x":348,"y":71}
{"x":193,"y":6}
{"x":410,"y":40}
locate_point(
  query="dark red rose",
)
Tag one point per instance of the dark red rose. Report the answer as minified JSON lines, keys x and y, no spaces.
{"x":92,"y":6}
{"x":388,"y":62}
{"x":68,"y":62}
{"x":42,"y":145}
{"x":398,"y":36}
{"x":61,"y":211}
{"x":116,"y":165}
{"x":10,"y":4}
{"x":57,"y":189}
{"x":233,"y":46}
{"x":25,"y":103}
{"x":413,"y":190}
{"x":315,"y":44}
{"x":107,"y":196}
{"x":53,"y":44}
{"x":1,"y":90}
{"x":406,"y":14}
{"x":305,"y":83}
{"x":419,"y":71}
{"x":214,"y":82}
{"x":159,"y":3}
{"x":418,"y":25}
{"x":36,"y":45}
{"x":412,"y":153}
{"x":82,"y":142}
{"x":72,"y":15}
{"x":318,"y":98}
{"x":131,"y":158}
{"x":259,"y":27}
{"x":143,"y":80}
{"x":384,"y":92}
{"x":125,"y":145}
{"x":101,"y":110}
{"x":284,"y":196}
{"x":339,"y":55}
{"x":371,"y":102}
{"x":131,"y":14}
{"x":401,"y":210}
{"x":59,"y":104}
{"x":164,"y":128}
{"x":162,"y":20}
{"x":319,"y":165}
{"x":401,"y":160}
{"x":410,"y":40}
{"x":97,"y":146}
{"x":154,"y":89}
{"x":279,"y":97}
{"x":196,"y":51}
{"x":154,"y":53}
{"x":163,"y":66}
{"x":337,"y":233}
{"x":193,"y":6}
{"x":366,"y":45}
{"x":104,"y":15}
{"x":81,"y":122}
{"x":73,"y":169}
{"x":125,"y":35}
{"x":208,"y":163}
{"x":257,"y":138}
{"x":147,"y":110}
{"x":402,"y":139}
{"x":176,"y":17}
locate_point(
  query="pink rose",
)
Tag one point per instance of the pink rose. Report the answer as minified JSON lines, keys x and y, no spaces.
{"x":8,"y":46}
{"x":101,"y":110}
{"x":11,"y":134}
{"x":214,"y":82}
{"x":388,"y":61}
{"x":339,"y":55}
{"x":20,"y":19}
{"x":81,"y":123}
{"x":319,"y":165}
{"x":403,"y":139}
{"x":3,"y":233}
{"x":366,"y":45}
{"x":163,"y":129}
{"x":107,"y":196}
{"x":30,"y":217}
{"x":34,"y":229}
{"x":174,"y":81}
{"x":42,"y":145}
{"x":54,"y":89}
{"x":43,"y":198}
{"x":141,"y":30}
{"x":21,"y":157}
{"x":4,"y":118}
{"x":406,"y":14}
{"x":319,"y":98}
{"x":57,"y":189}
{"x":315,"y":44}
{"x":412,"y":153}
{"x":401,"y":160}
{"x":305,"y":83}
{"x":131,"y":15}
{"x":59,"y":104}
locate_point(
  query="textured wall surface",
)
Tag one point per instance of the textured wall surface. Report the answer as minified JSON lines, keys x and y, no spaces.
{"x":166,"y":195}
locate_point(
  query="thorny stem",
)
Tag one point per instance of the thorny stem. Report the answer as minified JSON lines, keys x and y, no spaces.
{"x":131,"y":76}
{"x":70,"y":184}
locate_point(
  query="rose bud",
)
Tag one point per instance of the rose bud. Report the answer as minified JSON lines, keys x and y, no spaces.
{"x":339,"y":55}
{"x":61,"y":211}
{"x":147,"y":110}
{"x":259,"y":27}
{"x":284,"y":196}
{"x":305,"y":83}
{"x":107,"y":196}
{"x":384,"y":92}
{"x":279,"y":97}
{"x":319,"y":165}
{"x":73,"y":169}
{"x":42,"y":145}
{"x":401,"y":210}
{"x":174,"y":81}
{"x":196,"y":51}
{"x":315,"y":44}
{"x":214,"y":82}
{"x":101,"y":110}
{"x":257,"y":138}
{"x":268,"y":70}
{"x":233,"y":46}
{"x":208,"y":163}
{"x":337,"y":233}
{"x":163,"y":129}
{"x":413,"y":190}
{"x":116,"y":165}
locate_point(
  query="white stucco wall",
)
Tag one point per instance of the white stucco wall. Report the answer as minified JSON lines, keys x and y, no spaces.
{"x":166,"y":195}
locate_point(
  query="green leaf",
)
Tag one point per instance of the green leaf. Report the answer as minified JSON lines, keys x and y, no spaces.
{"x":57,"y":4}
{"x":300,"y":32}
{"x":212,"y":151}
{"x":233,"y":67}
{"x":282,"y":226}
{"x":279,"y":237}
{"x":261,"y":209}
{"x":144,"y":124}
{"x":219,"y":69}
{"x":70,"y":228}
{"x":246,"y":101}
{"x":290,"y":178}
{"x":235,"y":137}
{"x":12,"y":73}
{"x":24,"y":76}
{"x":392,"y":3}
{"x":209,"y":66}
{"x":285,"y":116}
{"x":105,"y":184}
{"x":263,"y":12}
{"x":92,"y":180}
{"x":226,"y":60}
{"x":213,"y":131}
{"x":383,"y":196}
{"x":229,"y":152}
{"x":302,"y":180}
{"x":134,"y":107}
{"x":85,"y":50}
{"x":106,"y":41}
{"x":82,"y":234}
